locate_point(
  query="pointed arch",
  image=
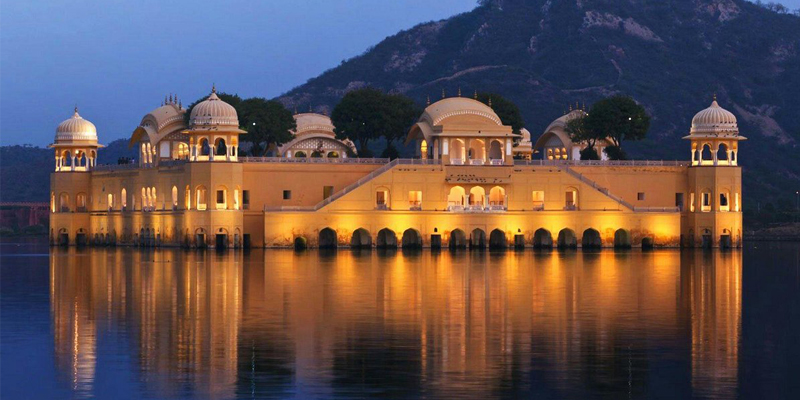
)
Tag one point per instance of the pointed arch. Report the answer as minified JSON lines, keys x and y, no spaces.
{"x":386,"y":239}
{"x":497,"y":239}
{"x":327,"y":238}
{"x":477,"y":239}
{"x":591,"y":239}
{"x":567,"y":239}
{"x":361,"y":239}
{"x":542,"y":239}
{"x":458,"y":239}
{"x":411,"y":239}
{"x":622,"y":239}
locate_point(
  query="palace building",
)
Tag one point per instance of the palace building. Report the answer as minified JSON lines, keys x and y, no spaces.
{"x":473,"y":183}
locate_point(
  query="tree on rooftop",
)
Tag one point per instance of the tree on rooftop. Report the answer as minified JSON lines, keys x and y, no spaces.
{"x":505,"y":109}
{"x":267,"y":123}
{"x":367,"y":114}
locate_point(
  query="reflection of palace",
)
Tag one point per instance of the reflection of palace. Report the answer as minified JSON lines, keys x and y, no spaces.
{"x":318,"y":324}
{"x":473,"y":183}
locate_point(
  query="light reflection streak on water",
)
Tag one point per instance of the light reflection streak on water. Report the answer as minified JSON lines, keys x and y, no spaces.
{"x":463,"y":324}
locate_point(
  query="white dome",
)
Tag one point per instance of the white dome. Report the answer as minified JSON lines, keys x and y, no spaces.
{"x":714,"y":120}
{"x":313,"y":123}
{"x":213,"y":112}
{"x":76,"y":129}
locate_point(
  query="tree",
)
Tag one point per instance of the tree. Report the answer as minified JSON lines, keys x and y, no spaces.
{"x":617,"y":118}
{"x":232,"y":99}
{"x":505,"y":109}
{"x":368,"y":114}
{"x":267,"y":123}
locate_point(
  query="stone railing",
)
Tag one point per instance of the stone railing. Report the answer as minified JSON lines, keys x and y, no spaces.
{"x":310,"y":160}
{"x":603,"y":163}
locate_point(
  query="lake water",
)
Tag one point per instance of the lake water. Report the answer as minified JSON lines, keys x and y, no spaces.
{"x":123,"y":323}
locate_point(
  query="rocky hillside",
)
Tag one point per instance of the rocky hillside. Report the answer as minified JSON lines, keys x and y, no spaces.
{"x":670,"y":55}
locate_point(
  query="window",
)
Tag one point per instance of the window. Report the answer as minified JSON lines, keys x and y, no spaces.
{"x":723,"y":202}
{"x":245,"y":199}
{"x":80,"y":205}
{"x":174,"y":197}
{"x":382,"y":199}
{"x":110,"y":202}
{"x":287,"y":194}
{"x":705,"y":204}
{"x":327,"y":191}
{"x":571,"y":199}
{"x":640,"y":196}
{"x":124,"y":198}
{"x":736,"y":202}
{"x":691,"y":202}
{"x":679,"y":201}
{"x":538,"y":200}
{"x":221,"y":199}
{"x":201,"y":198}
{"x":415,"y":199}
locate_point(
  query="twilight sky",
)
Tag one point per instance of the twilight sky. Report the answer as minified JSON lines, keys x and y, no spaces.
{"x":118,"y":59}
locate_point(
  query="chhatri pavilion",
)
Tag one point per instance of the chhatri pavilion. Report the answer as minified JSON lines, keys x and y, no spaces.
{"x":472,"y":183}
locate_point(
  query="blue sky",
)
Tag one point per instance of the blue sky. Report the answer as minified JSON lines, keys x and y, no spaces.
{"x":118,"y":59}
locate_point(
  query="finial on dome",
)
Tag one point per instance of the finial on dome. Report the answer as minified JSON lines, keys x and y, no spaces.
{"x":76,"y":109}
{"x":459,"y":91}
{"x":443,"y":95}
{"x":428,"y":101}
{"x":214,"y":88}
{"x":570,"y":107}
{"x":170,"y":98}
{"x":490,"y":101}
{"x":475,"y":95}
{"x":715,"y":97}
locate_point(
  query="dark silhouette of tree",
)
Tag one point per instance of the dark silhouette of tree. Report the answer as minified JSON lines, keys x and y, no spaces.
{"x":505,"y":109}
{"x":267,"y":122}
{"x":367,"y":114}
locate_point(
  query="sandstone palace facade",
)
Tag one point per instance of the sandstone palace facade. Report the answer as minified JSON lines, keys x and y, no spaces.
{"x":473,"y":183}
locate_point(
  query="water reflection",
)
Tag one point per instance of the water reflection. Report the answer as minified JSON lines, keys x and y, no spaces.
{"x":418,"y":324}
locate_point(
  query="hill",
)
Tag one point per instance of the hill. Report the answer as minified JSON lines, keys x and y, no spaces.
{"x":671,"y":56}
{"x":25,"y":170}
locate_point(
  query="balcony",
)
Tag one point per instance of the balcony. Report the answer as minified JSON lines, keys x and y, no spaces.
{"x":455,"y":208}
{"x":538,"y":207}
{"x":477,"y":161}
{"x":382,"y":207}
{"x":570,"y":207}
{"x":496,"y":207}
{"x":457,"y":161}
{"x":415,"y":205}
{"x":496,"y":161}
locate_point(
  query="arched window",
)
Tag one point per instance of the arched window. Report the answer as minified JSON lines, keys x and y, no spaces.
{"x":52,"y":202}
{"x":423,"y":149}
{"x":220,"y":147}
{"x":457,"y":154}
{"x":333,"y":154}
{"x":153,"y":198}
{"x":300,"y":154}
{"x":382,"y":198}
{"x":188,"y":198}
{"x":236,"y":198}
{"x":80,"y":202}
{"x":201,"y":198}
{"x":497,"y":197}
{"x":124,"y":199}
{"x":496,"y":150}
{"x":205,"y":149}
{"x":705,"y":201}
{"x":110,"y":202}
{"x":316,"y":154}
{"x":144,"y":199}
{"x":722,"y":152}
{"x":571,"y":199}
{"x":63,"y":202}
{"x":180,"y":151}
{"x":538,"y":200}
{"x":456,"y":198}
{"x":477,"y":151}
{"x":706,"y":156}
{"x":174,"y":197}
{"x":477,"y":197}
{"x":724,"y":201}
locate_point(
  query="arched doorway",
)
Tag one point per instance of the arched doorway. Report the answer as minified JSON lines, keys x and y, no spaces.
{"x":458,"y":239}
{"x":327,"y":239}
{"x":457,"y":153}
{"x":477,"y":239}
{"x":542,"y":239}
{"x":622,"y":239}
{"x":361,"y":239}
{"x":591,"y":239}
{"x":497,"y":198}
{"x":411,"y":239}
{"x":497,"y":239}
{"x":477,"y":196}
{"x":456,"y":197}
{"x":567,"y":239}
{"x":386,"y":239}
{"x":496,"y":152}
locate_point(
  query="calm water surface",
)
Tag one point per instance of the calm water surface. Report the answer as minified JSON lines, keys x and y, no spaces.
{"x":125,"y":323}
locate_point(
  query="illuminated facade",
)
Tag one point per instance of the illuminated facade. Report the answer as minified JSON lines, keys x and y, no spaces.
{"x":473,"y":183}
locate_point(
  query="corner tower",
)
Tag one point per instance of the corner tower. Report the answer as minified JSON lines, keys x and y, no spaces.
{"x":714,"y":218}
{"x":75,"y":148}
